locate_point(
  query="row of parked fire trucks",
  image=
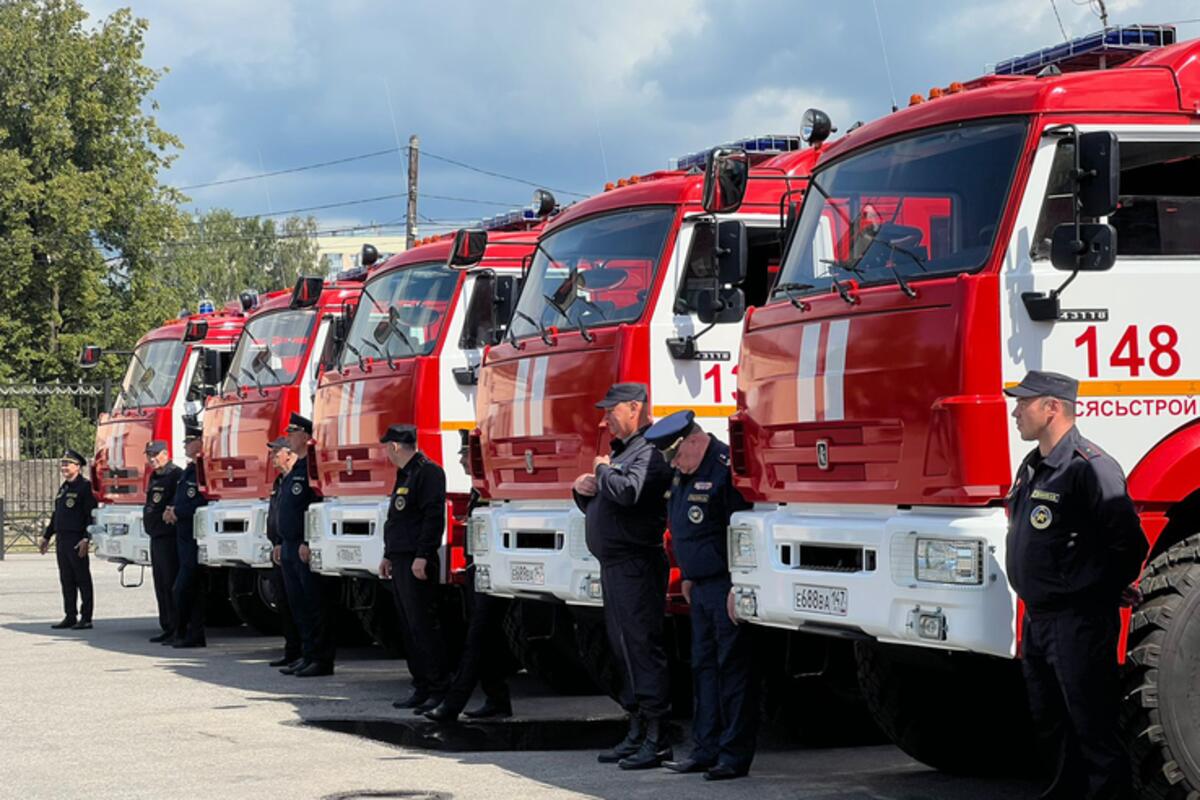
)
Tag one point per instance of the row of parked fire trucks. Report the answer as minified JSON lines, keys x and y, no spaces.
{"x":845,"y":311}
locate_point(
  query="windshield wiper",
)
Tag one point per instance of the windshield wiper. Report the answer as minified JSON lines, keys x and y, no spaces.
{"x":394,"y":327}
{"x":789,"y":287}
{"x":357,"y":354}
{"x":587,"y":335}
{"x":387,"y":356}
{"x":842,"y":291}
{"x":541,"y":328}
{"x":254,"y":377}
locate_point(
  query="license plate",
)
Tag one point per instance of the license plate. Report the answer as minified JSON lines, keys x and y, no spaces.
{"x":227,"y":548}
{"x":822,"y":600}
{"x":117,"y":529}
{"x":350,"y":554}
{"x":113,"y":546}
{"x":530,"y":574}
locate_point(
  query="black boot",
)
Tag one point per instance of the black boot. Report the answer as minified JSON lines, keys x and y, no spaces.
{"x":629,"y":745}
{"x":67,"y":622}
{"x":654,"y":751}
{"x":491,"y":709}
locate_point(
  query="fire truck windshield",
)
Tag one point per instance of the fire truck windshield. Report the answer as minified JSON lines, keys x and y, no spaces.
{"x":271,"y":349}
{"x":153,"y":370}
{"x":401,"y":314}
{"x":925,"y":205}
{"x":597,"y":272}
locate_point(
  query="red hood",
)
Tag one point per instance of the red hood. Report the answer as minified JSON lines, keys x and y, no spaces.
{"x":537,"y":406}
{"x":352,"y":410}
{"x":237,"y":464}
{"x":119,"y":468}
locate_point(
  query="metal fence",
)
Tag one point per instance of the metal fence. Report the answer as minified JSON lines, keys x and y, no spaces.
{"x":37,"y":422}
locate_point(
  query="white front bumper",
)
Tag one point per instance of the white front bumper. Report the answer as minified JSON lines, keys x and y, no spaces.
{"x":882,"y":597}
{"x":233,"y":533}
{"x":535,"y":549}
{"x":118,"y":536}
{"x":345,"y":537}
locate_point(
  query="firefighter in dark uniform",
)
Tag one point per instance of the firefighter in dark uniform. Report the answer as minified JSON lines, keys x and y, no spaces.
{"x":189,"y":496}
{"x":292,"y":651}
{"x":485,"y":638}
{"x":416,"y":522}
{"x":164,"y":552}
{"x":1074,"y":546}
{"x":701,"y":502}
{"x":302,"y":584}
{"x":68,"y":526}
{"x":624,"y":502}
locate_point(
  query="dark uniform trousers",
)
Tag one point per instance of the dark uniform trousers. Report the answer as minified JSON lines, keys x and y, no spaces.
{"x":303,"y":590}
{"x":478,"y":664}
{"x":635,"y":591}
{"x":1073,"y":681}
{"x":189,"y":605}
{"x":164,"y":567}
{"x":417,"y":604}
{"x":74,"y":575}
{"x":292,"y":648}
{"x":725,"y":692}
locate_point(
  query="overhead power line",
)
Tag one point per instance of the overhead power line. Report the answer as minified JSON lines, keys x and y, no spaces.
{"x":482,"y":171}
{"x":378,"y":199}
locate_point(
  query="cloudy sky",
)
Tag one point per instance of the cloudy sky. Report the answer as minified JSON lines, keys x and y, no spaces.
{"x":565,"y":94}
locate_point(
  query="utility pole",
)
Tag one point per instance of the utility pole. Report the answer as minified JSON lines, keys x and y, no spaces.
{"x":410,"y":232}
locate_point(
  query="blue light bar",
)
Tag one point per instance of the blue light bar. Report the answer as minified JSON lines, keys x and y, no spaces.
{"x":764,"y":145}
{"x":207,"y":307}
{"x":1106,"y":48}
{"x":517,"y":216}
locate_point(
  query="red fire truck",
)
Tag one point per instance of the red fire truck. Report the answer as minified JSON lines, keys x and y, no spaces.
{"x":170,"y":372}
{"x":412,"y":356}
{"x":1042,"y":217}
{"x":289,"y":337}
{"x":639,"y":283}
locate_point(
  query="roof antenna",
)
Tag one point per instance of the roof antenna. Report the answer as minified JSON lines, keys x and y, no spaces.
{"x":883,"y":49}
{"x":1103,"y":13}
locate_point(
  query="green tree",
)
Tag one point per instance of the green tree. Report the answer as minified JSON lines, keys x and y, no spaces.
{"x":82,"y":211}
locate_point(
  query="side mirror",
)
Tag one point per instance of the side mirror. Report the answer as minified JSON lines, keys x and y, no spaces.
{"x":90,"y":356}
{"x":726,"y":174}
{"x":720,"y":306}
{"x":196,"y":330}
{"x":1100,"y":181}
{"x":468,"y":247}
{"x":1094,"y":251}
{"x":382,"y":331}
{"x":307,"y":291}
{"x":368,"y":256}
{"x":732,"y":252}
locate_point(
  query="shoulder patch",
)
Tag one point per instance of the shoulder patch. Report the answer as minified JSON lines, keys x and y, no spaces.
{"x":723,"y":458}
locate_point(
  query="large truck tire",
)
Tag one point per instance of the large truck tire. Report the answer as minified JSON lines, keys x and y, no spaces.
{"x":809,"y":691}
{"x":542,"y":638}
{"x":1161,"y":709}
{"x":600,"y":662}
{"x":252,"y":597}
{"x":371,"y":601}
{"x":961,"y":713}
{"x":218,"y":611}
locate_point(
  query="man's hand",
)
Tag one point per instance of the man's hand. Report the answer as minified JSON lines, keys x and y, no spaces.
{"x":276,"y":553}
{"x":686,"y":586}
{"x":44,"y":546}
{"x":304,"y":553}
{"x":169,"y":515}
{"x":418,"y":568}
{"x":385,"y":569}
{"x":82,"y":547}
{"x":598,"y":460}
{"x":1131,"y":596}
{"x":586,"y":485}
{"x":731,"y":608}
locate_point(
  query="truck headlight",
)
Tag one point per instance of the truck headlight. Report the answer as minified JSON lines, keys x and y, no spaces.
{"x":483,"y":578}
{"x":202,"y":555}
{"x":745,"y":603}
{"x":477,"y":535}
{"x":314,"y":560}
{"x":742,"y":554}
{"x":954,"y":561}
{"x":200,"y":525}
{"x":312,"y":526}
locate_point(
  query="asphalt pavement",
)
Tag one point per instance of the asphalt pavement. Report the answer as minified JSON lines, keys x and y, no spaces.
{"x":106,"y":714}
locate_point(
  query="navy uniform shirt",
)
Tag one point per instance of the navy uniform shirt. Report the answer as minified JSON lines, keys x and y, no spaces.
{"x":159,"y":494}
{"x":698,"y":511}
{"x":416,"y":517}
{"x":628,"y":515}
{"x":273,"y":512}
{"x":73,"y":507}
{"x":188,"y":498}
{"x":295,"y":496}
{"x":1074,"y":538}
